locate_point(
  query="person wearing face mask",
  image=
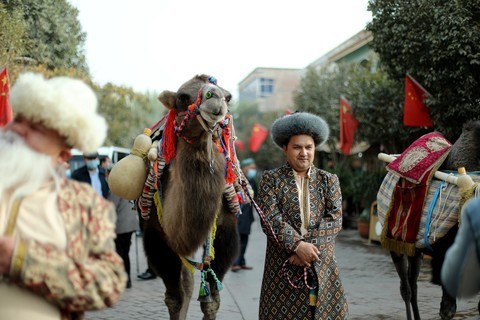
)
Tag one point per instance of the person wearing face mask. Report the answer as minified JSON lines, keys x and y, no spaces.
{"x":245,"y":219}
{"x":93,"y":174}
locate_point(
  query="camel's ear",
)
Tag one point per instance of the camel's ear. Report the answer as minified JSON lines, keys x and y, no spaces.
{"x":167,"y":98}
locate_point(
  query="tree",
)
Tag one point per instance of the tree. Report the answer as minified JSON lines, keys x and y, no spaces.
{"x":53,"y":33}
{"x":438,"y":43}
{"x":127,"y":113}
{"x":319,"y":93}
{"x":12,"y":32}
{"x":376,"y":102}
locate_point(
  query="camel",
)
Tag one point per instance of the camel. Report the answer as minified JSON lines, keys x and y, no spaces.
{"x":465,"y":152}
{"x":195,"y":204}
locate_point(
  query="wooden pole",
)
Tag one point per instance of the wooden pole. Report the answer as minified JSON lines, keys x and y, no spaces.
{"x":447,"y":177}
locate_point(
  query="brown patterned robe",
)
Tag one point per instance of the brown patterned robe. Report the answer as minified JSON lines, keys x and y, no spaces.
{"x":90,"y":274}
{"x":278,"y":199}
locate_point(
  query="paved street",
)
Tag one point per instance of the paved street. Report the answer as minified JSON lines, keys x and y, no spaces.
{"x":367,"y":273}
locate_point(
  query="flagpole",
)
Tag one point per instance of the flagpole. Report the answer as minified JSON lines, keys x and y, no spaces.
{"x":418,"y":84}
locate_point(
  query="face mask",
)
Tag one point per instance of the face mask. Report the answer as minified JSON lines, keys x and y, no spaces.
{"x":251,"y":174}
{"x":110,"y":166}
{"x":93,"y":164}
{"x":68,"y":173}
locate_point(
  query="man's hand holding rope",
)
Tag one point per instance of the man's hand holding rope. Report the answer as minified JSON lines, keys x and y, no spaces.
{"x":305,"y":255}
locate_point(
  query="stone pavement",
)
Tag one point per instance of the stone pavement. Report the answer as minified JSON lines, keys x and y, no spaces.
{"x":368,"y":275}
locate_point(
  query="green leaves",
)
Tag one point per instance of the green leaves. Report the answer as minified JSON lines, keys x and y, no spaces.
{"x":53,"y":35}
{"x":438,"y":42}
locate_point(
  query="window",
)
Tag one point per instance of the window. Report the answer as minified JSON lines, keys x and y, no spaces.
{"x":266,"y":87}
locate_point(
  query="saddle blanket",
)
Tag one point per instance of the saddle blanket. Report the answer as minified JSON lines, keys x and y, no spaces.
{"x":445,"y":207}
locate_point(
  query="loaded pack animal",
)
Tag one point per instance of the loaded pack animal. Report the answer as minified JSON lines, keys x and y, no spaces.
{"x":420,"y":214}
{"x":190,"y":199}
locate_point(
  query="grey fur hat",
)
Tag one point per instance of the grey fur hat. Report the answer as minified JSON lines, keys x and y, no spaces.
{"x":299,"y":123}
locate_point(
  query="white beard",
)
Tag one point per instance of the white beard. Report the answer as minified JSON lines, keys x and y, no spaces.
{"x":22,"y":170}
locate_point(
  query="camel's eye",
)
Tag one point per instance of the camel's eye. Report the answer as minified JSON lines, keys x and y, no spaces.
{"x":208,"y":95}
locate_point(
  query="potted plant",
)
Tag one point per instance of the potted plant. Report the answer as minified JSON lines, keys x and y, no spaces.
{"x":363,"y":223}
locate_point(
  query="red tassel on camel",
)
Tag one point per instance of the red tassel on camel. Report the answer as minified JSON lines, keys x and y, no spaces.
{"x":169,"y":143}
{"x":230,"y":176}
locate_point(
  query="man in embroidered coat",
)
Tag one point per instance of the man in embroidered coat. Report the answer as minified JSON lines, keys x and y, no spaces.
{"x":57,"y":251}
{"x":302,"y":206}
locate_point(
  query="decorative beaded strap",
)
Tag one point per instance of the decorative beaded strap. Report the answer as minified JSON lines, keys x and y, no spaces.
{"x":12,"y":219}
{"x":306,"y":271}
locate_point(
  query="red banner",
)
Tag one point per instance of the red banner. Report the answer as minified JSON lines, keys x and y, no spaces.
{"x":257,"y":136}
{"x":415,"y":112}
{"x":348,"y":126}
{"x":5,"y":110}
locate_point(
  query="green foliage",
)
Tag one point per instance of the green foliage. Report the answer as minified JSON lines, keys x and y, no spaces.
{"x":45,"y":36}
{"x":12,"y":29}
{"x":376,"y":101}
{"x":53,"y":36}
{"x":127,"y":113}
{"x":359,"y":187}
{"x":320,"y":92}
{"x":438,"y":43}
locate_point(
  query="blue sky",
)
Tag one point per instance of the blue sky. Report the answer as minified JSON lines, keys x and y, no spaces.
{"x":157,"y":45}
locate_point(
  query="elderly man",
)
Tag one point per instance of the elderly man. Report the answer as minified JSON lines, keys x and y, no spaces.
{"x":57,"y":251}
{"x":302,"y":207}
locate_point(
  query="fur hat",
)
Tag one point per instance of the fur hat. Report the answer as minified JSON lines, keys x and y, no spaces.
{"x":299,"y":123}
{"x":64,"y":104}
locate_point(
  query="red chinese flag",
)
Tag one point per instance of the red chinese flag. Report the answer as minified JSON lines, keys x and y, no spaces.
{"x":258,"y":135}
{"x":5,"y":110}
{"x":348,"y":126}
{"x":415,"y":112}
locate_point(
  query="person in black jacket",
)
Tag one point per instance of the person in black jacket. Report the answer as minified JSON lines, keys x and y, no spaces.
{"x":93,"y":174}
{"x":246,"y":218}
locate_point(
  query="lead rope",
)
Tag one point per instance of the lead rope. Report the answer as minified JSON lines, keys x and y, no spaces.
{"x":209,"y":131}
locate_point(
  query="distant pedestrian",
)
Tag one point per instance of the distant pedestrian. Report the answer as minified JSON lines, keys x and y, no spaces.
{"x":461,"y":267}
{"x":93,"y":174}
{"x":126,"y":225}
{"x":303,"y":209}
{"x":246,"y":218}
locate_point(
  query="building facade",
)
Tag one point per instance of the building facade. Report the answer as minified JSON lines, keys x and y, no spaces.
{"x":271,"y":88}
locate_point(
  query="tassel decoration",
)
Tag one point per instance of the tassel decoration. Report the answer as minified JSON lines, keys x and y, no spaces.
{"x":218,"y":283}
{"x":204,"y":291}
{"x":169,"y":143}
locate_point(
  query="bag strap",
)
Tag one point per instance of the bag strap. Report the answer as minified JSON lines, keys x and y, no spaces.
{"x":12,"y":219}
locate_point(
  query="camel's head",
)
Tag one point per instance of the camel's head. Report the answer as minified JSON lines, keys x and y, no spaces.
{"x":214,"y":105}
{"x":465,"y":151}
{"x":214,"y":100}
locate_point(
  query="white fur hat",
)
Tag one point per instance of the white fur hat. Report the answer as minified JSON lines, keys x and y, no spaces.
{"x":64,"y":104}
